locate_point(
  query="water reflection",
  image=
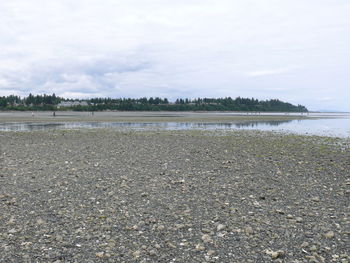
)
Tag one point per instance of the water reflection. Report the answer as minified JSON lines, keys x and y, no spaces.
{"x":29,"y":126}
{"x":256,"y":124}
{"x":329,"y":127}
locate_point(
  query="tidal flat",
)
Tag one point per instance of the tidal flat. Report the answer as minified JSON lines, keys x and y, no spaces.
{"x":147,"y":116}
{"x":173,"y":196}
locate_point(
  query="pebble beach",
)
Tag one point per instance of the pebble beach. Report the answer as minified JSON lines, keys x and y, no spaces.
{"x":173,"y":196}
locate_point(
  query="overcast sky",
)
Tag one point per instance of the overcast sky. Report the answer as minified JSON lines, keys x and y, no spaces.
{"x":294,"y":50}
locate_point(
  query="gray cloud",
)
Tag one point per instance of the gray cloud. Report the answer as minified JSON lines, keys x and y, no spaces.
{"x":293,"y":50}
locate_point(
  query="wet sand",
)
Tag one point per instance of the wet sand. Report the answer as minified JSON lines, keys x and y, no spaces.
{"x":109,"y":116}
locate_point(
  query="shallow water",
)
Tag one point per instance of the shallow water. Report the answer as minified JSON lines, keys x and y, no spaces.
{"x":338,"y":126}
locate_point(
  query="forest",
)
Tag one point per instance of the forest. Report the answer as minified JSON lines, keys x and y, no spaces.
{"x":56,"y":103}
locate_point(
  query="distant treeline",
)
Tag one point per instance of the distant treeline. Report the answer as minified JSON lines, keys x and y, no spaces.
{"x":53,"y":103}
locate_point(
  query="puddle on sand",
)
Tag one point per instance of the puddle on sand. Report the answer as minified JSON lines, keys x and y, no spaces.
{"x":31,"y":126}
{"x":329,"y":127}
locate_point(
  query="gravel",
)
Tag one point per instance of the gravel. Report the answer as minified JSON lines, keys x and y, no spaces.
{"x":173,"y":196}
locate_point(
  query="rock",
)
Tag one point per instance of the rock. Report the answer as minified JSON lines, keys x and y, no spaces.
{"x":161,"y":227}
{"x":40,"y":222}
{"x":329,"y":234}
{"x":200,"y":247}
{"x":136,"y":254}
{"x":311,"y":259}
{"x":11,"y":221}
{"x":315,"y":199}
{"x":210,"y":252}
{"x":220,"y":227}
{"x":304,"y":244}
{"x":206,"y":238}
{"x":206,"y":230}
{"x":100,"y":254}
{"x":320,"y":258}
{"x":248,"y":230}
{"x":157,"y":246}
{"x":179,"y":226}
{"x":313,"y":248}
{"x":4,"y":196}
{"x":299,"y":219}
{"x":279,"y":211}
{"x":256,"y":204}
{"x":170,"y":245}
{"x":13,"y":231}
{"x":275,"y":254}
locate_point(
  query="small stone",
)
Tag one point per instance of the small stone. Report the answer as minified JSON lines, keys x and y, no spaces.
{"x":12,"y":220}
{"x":329,"y":234}
{"x":289,"y":216}
{"x":136,"y":254}
{"x":299,"y":219}
{"x":220,"y":227}
{"x":200,"y":247}
{"x":206,"y":230}
{"x":211,"y":252}
{"x":320,"y":258}
{"x":256,"y":204}
{"x":161,"y":227}
{"x":13,"y":231}
{"x":304,"y":244}
{"x":40,"y":222}
{"x":206,"y":238}
{"x":311,"y":258}
{"x":313,"y":248}
{"x":275,"y":254}
{"x":179,"y":226}
{"x":100,"y":254}
{"x":171,"y":245}
{"x":249,"y":230}
{"x":315,"y":199}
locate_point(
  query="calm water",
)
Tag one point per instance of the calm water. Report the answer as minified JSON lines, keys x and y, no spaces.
{"x":338,"y":126}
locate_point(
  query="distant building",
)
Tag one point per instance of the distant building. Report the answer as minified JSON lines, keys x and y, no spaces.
{"x":72,"y":103}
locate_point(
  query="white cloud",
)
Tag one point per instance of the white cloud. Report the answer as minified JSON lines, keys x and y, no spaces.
{"x":293,"y":50}
{"x":267,"y":72}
